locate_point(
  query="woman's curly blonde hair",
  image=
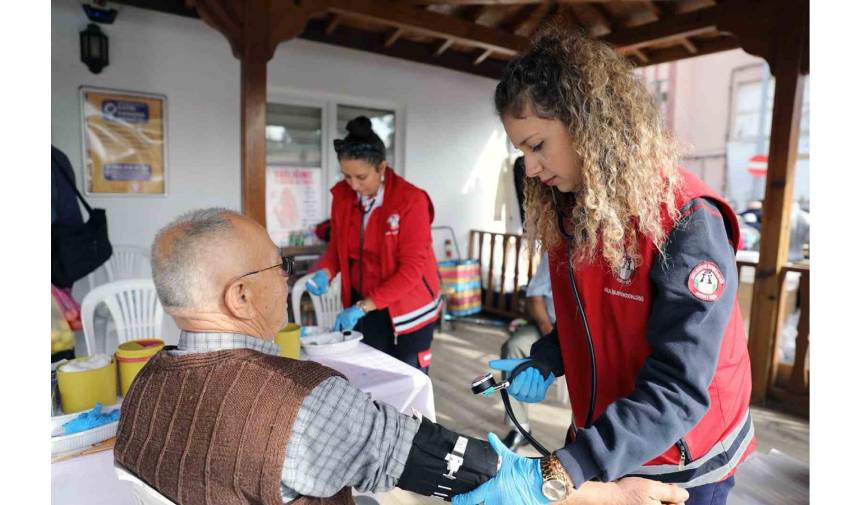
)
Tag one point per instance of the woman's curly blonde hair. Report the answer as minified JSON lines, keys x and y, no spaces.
{"x":629,"y":174}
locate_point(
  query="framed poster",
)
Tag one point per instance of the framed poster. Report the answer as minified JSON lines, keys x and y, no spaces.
{"x":293,"y":201}
{"x":124,"y":142}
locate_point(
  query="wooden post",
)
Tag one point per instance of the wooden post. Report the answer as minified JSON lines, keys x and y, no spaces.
{"x":253,"y":132}
{"x":255,"y":55}
{"x":253,"y":30}
{"x":779,"y":187}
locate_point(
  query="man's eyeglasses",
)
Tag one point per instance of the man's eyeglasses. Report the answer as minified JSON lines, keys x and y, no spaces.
{"x":286,"y":265}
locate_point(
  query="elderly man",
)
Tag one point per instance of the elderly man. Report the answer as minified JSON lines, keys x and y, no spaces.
{"x":222,"y":419}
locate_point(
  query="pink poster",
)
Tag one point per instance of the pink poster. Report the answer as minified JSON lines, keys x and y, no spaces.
{"x":293,"y":201}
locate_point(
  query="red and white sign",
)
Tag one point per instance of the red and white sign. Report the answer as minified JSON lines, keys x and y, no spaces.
{"x":706,"y":282}
{"x":757,"y":165}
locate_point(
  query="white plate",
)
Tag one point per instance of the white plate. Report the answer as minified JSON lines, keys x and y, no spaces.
{"x":333,"y":342}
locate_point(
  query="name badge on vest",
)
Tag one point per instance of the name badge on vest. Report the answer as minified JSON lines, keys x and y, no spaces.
{"x":627,"y":269}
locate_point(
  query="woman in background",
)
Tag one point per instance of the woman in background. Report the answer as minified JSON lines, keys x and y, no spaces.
{"x":382,"y":247}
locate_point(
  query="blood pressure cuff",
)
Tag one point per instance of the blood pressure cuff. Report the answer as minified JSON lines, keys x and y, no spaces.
{"x":547,"y":350}
{"x":444,"y":464}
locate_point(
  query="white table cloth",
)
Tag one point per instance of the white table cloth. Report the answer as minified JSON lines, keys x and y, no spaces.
{"x":90,"y":480}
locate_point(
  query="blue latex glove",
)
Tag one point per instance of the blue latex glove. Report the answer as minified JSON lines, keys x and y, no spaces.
{"x":518,"y":481}
{"x":529,"y":378}
{"x":348,"y":318}
{"x":90,"y":419}
{"x":318,"y":284}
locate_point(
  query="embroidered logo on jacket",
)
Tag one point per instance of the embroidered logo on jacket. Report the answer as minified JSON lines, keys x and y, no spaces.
{"x":706,"y":282}
{"x":627,"y":269}
{"x":394,"y":222}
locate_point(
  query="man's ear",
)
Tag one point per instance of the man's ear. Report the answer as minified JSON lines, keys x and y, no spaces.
{"x":238,"y":298}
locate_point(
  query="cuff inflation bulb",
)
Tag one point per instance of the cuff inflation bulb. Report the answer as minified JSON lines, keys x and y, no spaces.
{"x":486,"y":385}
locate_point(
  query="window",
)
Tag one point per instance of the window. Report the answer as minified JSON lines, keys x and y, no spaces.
{"x":294,"y":173}
{"x":301,"y":162}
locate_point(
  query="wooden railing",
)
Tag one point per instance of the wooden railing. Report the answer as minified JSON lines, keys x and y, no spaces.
{"x":788,"y":386}
{"x":502,"y":282}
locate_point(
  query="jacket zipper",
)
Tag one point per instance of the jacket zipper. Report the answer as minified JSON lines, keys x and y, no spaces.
{"x":685,"y":454}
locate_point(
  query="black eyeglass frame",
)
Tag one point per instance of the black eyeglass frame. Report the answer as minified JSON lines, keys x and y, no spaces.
{"x":287,"y":264}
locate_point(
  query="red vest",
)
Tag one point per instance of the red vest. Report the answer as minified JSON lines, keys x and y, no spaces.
{"x":618,"y":312}
{"x":410,"y":285}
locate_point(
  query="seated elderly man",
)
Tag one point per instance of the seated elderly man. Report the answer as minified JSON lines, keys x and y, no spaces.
{"x":221,"y":418}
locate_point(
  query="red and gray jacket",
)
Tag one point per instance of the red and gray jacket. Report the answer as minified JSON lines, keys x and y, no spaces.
{"x":673,"y":372}
{"x":401,"y":232}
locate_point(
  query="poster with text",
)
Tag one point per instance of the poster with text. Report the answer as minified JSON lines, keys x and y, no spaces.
{"x":123,"y":142}
{"x":293,"y":201}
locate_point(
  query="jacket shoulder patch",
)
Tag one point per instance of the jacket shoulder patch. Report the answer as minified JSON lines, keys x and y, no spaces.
{"x":706,"y":281}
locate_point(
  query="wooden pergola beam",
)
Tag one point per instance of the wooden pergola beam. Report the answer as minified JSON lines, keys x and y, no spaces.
{"x":725,"y":16}
{"x":689,"y":46}
{"x":528,"y":25}
{"x":391,"y":39}
{"x":767,"y":298}
{"x":443,"y":47}
{"x":332,"y":24}
{"x":429,"y":23}
{"x":677,"y":53}
{"x":354,"y":38}
{"x":483,"y":56}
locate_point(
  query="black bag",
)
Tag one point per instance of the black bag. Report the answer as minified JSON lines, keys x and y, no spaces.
{"x":78,"y":249}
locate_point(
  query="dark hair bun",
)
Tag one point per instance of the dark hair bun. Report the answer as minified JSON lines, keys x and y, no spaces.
{"x":360,"y":143}
{"x":360,"y":127}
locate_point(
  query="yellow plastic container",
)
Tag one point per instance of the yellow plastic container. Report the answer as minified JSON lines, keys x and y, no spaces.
{"x":131,"y":356}
{"x":288,"y":340}
{"x":82,"y":390}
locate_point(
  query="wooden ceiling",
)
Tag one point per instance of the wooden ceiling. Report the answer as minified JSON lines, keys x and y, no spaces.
{"x":481,"y":36}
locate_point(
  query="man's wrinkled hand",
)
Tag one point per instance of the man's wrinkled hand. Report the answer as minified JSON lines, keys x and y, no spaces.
{"x":638,"y":491}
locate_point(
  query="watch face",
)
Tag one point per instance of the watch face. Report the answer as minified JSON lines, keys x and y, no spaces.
{"x":554,"y":489}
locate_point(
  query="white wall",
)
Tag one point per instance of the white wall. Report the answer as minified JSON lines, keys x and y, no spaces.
{"x":170,"y":55}
{"x":454,"y":142}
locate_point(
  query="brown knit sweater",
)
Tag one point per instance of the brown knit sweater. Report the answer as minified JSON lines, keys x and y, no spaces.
{"x":212,"y":428}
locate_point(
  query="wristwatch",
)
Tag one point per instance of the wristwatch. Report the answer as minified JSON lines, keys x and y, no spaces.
{"x":555,"y":479}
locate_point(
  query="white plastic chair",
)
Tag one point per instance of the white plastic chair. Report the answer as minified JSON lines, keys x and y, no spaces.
{"x":143,"y":493}
{"x":132,"y":303}
{"x":327,"y":306}
{"x":126,"y":262}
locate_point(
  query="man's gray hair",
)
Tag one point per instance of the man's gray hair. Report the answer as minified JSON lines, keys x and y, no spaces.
{"x":179,"y":268}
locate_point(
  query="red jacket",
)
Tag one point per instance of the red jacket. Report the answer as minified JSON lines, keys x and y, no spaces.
{"x":645,"y":394}
{"x":410,"y":286}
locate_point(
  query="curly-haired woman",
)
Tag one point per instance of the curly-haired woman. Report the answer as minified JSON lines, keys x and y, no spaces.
{"x":649,"y":336}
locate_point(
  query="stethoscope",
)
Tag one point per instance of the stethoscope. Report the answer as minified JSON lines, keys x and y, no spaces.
{"x":486,"y":384}
{"x":365,"y":210}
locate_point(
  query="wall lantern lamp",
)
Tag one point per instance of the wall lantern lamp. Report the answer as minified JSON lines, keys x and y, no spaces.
{"x":94,"y":48}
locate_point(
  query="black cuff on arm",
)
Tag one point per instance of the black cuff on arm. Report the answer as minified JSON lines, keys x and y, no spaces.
{"x":548,"y":351}
{"x":432,"y":466}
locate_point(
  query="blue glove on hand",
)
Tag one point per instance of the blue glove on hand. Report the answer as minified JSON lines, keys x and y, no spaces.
{"x":529,"y":378}
{"x":90,"y":419}
{"x":348,"y":318}
{"x":518,"y":481}
{"x":318,"y":284}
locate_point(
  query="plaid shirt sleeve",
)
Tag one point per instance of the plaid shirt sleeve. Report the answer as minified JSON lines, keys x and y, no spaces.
{"x":343,"y":438}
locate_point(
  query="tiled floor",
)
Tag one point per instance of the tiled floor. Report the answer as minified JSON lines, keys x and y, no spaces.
{"x":462,"y":353}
